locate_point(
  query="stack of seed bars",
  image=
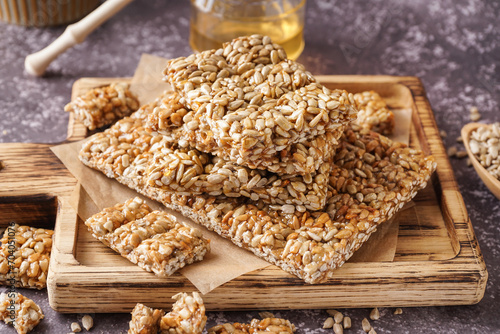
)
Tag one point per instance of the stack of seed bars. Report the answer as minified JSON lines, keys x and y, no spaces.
{"x":249,"y":145}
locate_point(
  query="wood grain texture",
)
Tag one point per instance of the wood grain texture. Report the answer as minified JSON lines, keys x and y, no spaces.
{"x":437,"y":262}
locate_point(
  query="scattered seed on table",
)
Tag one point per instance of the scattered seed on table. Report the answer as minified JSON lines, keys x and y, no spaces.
{"x":375,"y":314}
{"x":399,"y":310}
{"x":443,"y":133}
{"x":328,"y":323}
{"x":75,"y":327}
{"x":266,"y":314}
{"x":332,"y":312}
{"x":347,"y":322}
{"x":459,"y":139}
{"x":87,"y":322}
{"x":366,"y":325}
{"x":452,"y":151}
{"x":338,"y":317}
{"x":338,"y":329}
{"x":372,"y":331}
{"x":475,"y":117}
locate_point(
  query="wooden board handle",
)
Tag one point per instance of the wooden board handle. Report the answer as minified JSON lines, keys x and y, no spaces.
{"x":36,"y":63}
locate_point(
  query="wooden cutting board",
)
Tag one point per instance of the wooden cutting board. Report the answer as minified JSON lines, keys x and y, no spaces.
{"x":437,"y":261}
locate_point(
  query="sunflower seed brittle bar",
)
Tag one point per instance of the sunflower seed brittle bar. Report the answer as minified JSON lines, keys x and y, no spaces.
{"x":128,"y":149}
{"x":187,"y":315}
{"x":25,"y":256}
{"x":20,"y":312}
{"x":247,"y":98}
{"x":145,"y":320}
{"x":167,"y":252}
{"x":373,"y":113}
{"x":117,"y":146}
{"x":127,"y":237}
{"x":104,"y":223}
{"x":102,"y":106}
{"x":189,"y":171}
{"x":299,"y":158}
{"x":153,"y":240}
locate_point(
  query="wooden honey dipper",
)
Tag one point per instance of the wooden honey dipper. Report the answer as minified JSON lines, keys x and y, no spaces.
{"x":36,"y":63}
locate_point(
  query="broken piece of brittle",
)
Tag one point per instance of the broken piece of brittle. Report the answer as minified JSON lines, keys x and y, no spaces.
{"x":20,"y":312}
{"x":25,"y":256}
{"x":103,"y":105}
{"x":153,"y":240}
{"x":145,"y":320}
{"x":187,"y":315}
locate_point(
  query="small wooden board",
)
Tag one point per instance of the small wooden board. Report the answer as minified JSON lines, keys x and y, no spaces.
{"x":437,"y":262}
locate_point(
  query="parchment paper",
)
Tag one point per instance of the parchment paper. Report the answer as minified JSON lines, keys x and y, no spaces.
{"x":226,"y":261}
{"x":147,"y":82}
{"x":402,"y":119}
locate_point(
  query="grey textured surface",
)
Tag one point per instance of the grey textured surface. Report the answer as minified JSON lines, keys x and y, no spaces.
{"x":453,"y":46}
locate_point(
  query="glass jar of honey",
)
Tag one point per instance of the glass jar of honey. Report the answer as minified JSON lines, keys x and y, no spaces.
{"x":214,"y":22}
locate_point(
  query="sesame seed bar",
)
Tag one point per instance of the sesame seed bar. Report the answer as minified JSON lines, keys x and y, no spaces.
{"x":20,"y":312}
{"x":145,"y":320}
{"x":153,"y":240}
{"x":166,"y":116}
{"x":128,"y":149}
{"x":373,"y":113}
{"x":248,"y":98}
{"x":187,"y":315}
{"x":25,"y":256}
{"x":256,"y":326}
{"x":102,"y":106}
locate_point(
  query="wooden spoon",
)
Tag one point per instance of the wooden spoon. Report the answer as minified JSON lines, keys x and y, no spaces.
{"x":489,"y":180}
